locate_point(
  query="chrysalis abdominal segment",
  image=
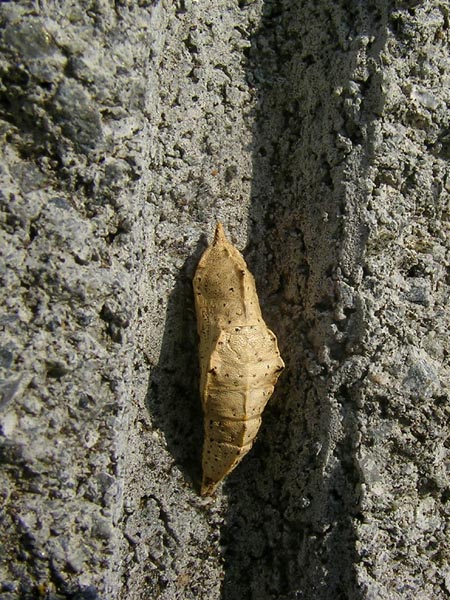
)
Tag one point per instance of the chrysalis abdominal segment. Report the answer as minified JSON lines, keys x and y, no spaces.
{"x":239,"y":358}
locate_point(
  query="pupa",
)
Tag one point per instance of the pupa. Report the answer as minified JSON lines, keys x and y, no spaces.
{"x":239,"y":358}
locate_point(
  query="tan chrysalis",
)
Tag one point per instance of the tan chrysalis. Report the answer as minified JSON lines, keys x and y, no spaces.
{"x":239,"y":358}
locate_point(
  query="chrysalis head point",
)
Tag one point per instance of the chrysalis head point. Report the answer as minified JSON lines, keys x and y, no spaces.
{"x":219,"y":236}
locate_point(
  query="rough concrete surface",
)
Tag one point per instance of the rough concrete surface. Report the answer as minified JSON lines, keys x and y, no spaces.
{"x":319,"y":133}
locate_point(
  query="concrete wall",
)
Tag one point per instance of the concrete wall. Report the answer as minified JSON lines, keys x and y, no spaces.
{"x":318,"y":132}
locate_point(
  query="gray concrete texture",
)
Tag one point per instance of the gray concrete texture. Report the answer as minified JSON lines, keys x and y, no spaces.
{"x":319,"y":133}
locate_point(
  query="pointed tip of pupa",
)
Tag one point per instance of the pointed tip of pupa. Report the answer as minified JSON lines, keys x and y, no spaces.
{"x":219,"y":236}
{"x":209,"y":488}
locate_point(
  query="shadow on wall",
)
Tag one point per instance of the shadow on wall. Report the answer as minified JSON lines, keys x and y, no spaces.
{"x":289,"y":532}
{"x":173,"y":397}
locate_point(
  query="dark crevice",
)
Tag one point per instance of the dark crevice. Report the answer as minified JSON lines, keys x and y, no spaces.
{"x":289,"y":532}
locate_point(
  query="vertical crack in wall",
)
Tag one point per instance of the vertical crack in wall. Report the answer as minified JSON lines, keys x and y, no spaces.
{"x":291,"y":523}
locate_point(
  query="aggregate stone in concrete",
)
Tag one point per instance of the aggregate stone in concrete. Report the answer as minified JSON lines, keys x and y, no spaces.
{"x":318,"y":133}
